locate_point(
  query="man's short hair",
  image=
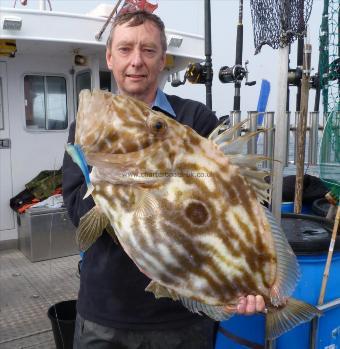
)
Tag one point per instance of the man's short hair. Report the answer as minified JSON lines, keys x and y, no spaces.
{"x":135,"y":19}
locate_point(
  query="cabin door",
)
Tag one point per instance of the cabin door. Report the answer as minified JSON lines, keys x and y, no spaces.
{"x":6,"y":214}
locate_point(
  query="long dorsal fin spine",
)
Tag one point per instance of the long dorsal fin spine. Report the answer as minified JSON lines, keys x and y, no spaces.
{"x":232,"y":147}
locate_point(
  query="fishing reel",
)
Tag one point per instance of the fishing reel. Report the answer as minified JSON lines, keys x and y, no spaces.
{"x":235,"y":74}
{"x":196,"y":73}
{"x":294,"y":76}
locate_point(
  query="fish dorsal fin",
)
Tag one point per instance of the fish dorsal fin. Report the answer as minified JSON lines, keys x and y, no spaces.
{"x":90,"y":227}
{"x":232,"y":147}
{"x":220,"y":134}
{"x":287,"y":268}
{"x":216,"y":312}
{"x":256,"y":178}
{"x":235,"y":146}
{"x":221,"y":127}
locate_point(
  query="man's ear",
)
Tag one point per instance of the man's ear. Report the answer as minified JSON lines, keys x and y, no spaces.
{"x":163,"y":61}
{"x":108,"y":59}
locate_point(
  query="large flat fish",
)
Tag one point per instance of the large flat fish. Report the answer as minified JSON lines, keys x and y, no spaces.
{"x":186,"y":209}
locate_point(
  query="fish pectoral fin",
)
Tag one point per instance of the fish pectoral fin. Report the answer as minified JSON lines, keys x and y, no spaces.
{"x":161,"y":291}
{"x":146,"y":204}
{"x":112,"y":233}
{"x":90,"y":227}
{"x":284,"y":318}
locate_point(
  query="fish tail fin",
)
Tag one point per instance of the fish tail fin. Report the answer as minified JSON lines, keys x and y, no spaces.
{"x":282,"y":319}
{"x":77,"y":155}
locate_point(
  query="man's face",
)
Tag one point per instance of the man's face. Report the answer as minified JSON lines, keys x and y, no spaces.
{"x":136,"y":59}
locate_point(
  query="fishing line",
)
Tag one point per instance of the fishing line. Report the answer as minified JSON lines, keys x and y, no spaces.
{"x":50,"y":271}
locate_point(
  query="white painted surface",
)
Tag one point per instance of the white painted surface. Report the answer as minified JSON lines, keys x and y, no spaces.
{"x":6,"y":214}
{"x":46,"y":45}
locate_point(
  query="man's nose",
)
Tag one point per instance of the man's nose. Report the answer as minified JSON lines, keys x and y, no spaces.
{"x":137,"y":59}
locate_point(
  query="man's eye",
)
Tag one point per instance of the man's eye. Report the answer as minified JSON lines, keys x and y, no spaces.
{"x":149,"y":50}
{"x":124,"y":49}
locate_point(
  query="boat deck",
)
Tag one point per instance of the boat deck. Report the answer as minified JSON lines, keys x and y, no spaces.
{"x":27,"y":290}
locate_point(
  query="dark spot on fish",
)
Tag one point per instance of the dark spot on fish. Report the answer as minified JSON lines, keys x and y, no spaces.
{"x":197,"y":213}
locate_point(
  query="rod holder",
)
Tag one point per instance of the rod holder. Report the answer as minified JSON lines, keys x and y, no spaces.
{"x":252,"y":143}
{"x":268,"y":138}
{"x":288,"y":139}
{"x":313,"y":138}
{"x":235,"y":118}
{"x":297,"y":117}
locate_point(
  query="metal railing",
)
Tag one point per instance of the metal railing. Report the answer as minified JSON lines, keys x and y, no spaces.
{"x":268,"y":142}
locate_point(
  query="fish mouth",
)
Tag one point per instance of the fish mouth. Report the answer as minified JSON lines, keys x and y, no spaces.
{"x":133,"y":158}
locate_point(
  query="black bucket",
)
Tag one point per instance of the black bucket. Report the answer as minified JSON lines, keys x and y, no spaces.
{"x":321,"y":207}
{"x":308,"y":234}
{"x":63,"y":319}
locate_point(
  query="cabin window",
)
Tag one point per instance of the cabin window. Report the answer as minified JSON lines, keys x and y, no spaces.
{"x":83,"y":82}
{"x":2,"y":126}
{"x":45,"y":103}
{"x":105,"y":80}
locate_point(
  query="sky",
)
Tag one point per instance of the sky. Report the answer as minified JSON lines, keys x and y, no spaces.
{"x":188,"y":16}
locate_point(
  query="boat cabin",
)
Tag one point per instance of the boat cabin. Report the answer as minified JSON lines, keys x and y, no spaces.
{"x":46,"y":58}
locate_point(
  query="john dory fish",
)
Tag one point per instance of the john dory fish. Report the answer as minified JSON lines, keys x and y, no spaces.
{"x":185,"y":209}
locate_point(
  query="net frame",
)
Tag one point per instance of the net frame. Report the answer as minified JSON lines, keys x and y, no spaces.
{"x":278,"y":23}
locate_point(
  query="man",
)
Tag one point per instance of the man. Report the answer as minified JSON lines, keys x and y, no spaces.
{"x":114,"y":311}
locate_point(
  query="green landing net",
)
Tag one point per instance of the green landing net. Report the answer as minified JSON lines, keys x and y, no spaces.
{"x":330,"y":154}
{"x":329,"y":64}
{"x":329,"y":68}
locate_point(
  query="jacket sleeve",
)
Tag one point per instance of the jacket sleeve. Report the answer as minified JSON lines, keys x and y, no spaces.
{"x":74,"y":186}
{"x":205,"y":120}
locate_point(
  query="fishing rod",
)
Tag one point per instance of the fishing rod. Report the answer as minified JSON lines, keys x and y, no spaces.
{"x":236,"y":73}
{"x":208,"y":61}
{"x":197,"y":73}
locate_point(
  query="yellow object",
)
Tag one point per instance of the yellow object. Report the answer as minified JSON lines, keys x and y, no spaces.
{"x":8,"y":47}
{"x":169,"y":61}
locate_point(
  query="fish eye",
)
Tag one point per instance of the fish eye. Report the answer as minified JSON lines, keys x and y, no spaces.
{"x":158,"y":126}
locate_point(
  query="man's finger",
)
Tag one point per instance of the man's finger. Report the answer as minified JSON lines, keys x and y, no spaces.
{"x":260,"y":305}
{"x":241,"y":306}
{"x":251,"y":305}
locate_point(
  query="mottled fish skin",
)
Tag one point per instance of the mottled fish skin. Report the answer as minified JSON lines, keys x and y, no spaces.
{"x":189,"y":218}
{"x":208,"y":237}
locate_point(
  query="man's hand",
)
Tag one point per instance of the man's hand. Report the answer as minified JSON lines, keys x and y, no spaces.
{"x":250,"y":305}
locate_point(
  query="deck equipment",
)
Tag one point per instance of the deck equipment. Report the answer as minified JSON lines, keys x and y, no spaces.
{"x":278,"y":23}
